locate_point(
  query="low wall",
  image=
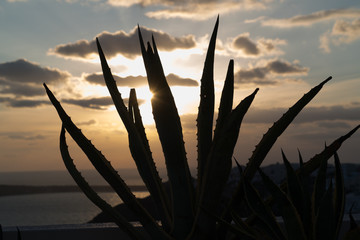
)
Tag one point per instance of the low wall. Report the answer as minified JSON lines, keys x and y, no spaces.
{"x":93,"y":231}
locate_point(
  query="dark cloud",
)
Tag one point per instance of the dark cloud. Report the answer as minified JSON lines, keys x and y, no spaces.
{"x":244,"y":43}
{"x":309,"y":114}
{"x":23,"y":71}
{"x":130,"y":81}
{"x":26,"y":136}
{"x":259,"y":75}
{"x":254,"y":73}
{"x":324,"y":117}
{"x":334,"y":124}
{"x":21,"y":80}
{"x":21,"y":103}
{"x":20,"y":89}
{"x":260,"y":47}
{"x":126,"y":44}
{"x":282,"y":67}
{"x":100,"y":103}
{"x":175,"y":80}
{"x":136,"y":81}
{"x":315,"y":17}
{"x":87,"y":123}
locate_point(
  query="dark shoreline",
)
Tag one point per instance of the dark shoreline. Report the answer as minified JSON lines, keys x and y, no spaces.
{"x":11,"y":190}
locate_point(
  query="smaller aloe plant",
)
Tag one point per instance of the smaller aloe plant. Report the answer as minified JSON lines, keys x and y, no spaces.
{"x":306,"y":215}
{"x":187,"y":212}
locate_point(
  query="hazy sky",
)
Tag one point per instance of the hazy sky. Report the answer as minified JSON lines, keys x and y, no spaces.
{"x":284,"y":47}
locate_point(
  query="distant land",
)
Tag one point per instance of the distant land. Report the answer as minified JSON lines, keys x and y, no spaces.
{"x":11,"y":190}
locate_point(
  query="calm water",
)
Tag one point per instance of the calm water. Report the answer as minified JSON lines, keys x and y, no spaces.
{"x":49,"y":209}
{"x":55,"y":208}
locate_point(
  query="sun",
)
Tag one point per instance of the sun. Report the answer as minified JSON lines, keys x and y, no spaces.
{"x":144,"y":96}
{"x":186,"y":99}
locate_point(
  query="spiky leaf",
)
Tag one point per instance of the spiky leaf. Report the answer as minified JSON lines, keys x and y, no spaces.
{"x":146,"y":166}
{"x":169,"y":129}
{"x":105,"y":169}
{"x":91,"y":194}
{"x":219,"y":163}
{"x":292,"y":221}
{"x":206,"y":107}
{"x":277,"y":129}
{"x":324,"y":218}
{"x":339,"y":196}
{"x":139,"y":147}
{"x":264,"y":214}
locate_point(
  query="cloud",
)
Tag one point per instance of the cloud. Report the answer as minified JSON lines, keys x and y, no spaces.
{"x":257,"y":48}
{"x":175,"y":80}
{"x":98,"y":103}
{"x":325,"y":117}
{"x":244,"y":43}
{"x":195,"y":10}
{"x":28,"y":136}
{"x":21,"y":80}
{"x":87,"y":123}
{"x":325,"y":42}
{"x":346,"y":31}
{"x":334,"y":124}
{"x":343,"y":32}
{"x":259,"y":75}
{"x":310,"y":19}
{"x":120,"y":42}
{"x":24,"y":71}
{"x":20,"y":89}
{"x":101,"y":103}
{"x":21,"y":103}
{"x":136,"y":81}
{"x":308,"y":115}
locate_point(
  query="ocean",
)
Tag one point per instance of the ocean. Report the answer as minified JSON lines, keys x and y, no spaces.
{"x":55,"y":208}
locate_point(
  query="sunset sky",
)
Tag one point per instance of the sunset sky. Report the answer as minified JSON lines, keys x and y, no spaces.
{"x":284,"y":47}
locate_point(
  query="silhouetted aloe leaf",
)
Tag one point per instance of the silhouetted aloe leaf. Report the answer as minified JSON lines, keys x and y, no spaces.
{"x":294,"y":187}
{"x":147,"y":169}
{"x":218,"y":165}
{"x":105,"y":169}
{"x":324,"y":219}
{"x":292,"y":221}
{"x":169,"y":128}
{"x":241,"y":224}
{"x":114,"y":92}
{"x":18,"y":236}
{"x":139,"y":146}
{"x":266,"y":217}
{"x":354,"y":231}
{"x":339,"y":196}
{"x":306,"y":214}
{"x":270,"y":137}
{"x":227,"y":96}
{"x":301,"y":161}
{"x":240,"y":230}
{"x":135,"y":116}
{"x":319,"y":186}
{"x":206,"y":107}
{"x":277,"y":129}
{"x":90,"y":193}
{"x":329,"y":151}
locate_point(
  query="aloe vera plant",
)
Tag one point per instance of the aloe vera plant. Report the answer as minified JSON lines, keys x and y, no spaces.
{"x":188,"y":212}
{"x":306,"y":215}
